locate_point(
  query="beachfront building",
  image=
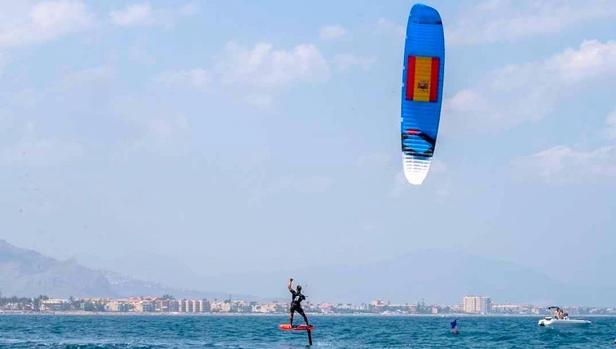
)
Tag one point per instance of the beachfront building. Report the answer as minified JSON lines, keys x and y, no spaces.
{"x":476,"y":304}
{"x":378,"y":306}
{"x":54,"y":304}
{"x":190,"y":306}
{"x":224,"y":306}
{"x":118,"y":306}
{"x":508,"y":309}
{"x":269,"y":308}
{"x":194,"y":306}
{"x":204,"y":305}
{"x":182,"y":305}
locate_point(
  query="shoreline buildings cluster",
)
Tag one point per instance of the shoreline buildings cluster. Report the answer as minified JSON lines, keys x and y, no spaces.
{"x":478,"y":305}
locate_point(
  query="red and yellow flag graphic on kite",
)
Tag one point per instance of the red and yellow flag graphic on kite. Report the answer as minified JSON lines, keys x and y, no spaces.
{"x":422,"y":78}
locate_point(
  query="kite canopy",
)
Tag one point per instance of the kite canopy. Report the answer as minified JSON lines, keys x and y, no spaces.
{"x":422,"y":90}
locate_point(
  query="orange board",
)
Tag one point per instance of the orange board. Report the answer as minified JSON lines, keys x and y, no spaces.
{"x":287,"y":327}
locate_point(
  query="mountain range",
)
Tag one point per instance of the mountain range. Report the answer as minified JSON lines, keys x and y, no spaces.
{"x":28,"y":273}
{"x":437,"y":276}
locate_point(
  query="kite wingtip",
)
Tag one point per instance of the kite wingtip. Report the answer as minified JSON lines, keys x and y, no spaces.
{"x":414,"y":179}
{"x":415,"y":170}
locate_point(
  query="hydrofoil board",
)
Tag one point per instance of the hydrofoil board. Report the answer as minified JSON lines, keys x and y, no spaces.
{"x":288,"y":327}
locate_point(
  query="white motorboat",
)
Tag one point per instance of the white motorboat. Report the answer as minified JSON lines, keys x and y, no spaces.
{"x":549,"y":321}
{"x":560,"y":318}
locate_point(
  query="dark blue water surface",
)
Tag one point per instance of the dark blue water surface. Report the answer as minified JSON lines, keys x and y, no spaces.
{"x":17,"y":331}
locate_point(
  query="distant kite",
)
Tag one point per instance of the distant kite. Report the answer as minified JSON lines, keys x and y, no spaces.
{"x":422,"y":90}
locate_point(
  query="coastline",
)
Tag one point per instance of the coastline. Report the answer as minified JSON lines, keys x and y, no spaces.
{"x":153,"y":314}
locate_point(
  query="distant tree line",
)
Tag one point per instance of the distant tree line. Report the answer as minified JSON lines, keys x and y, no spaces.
{"x":22,"y":303}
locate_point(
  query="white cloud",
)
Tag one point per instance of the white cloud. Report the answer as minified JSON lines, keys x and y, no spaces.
{"x":30,"y":23}
{"x":143,"y":14}
{"x":264,"y":71}
{"x":563,"y":164}
{"x":197,"y":78}
{"x":132,"y":15}
{"x":592,"y":59}
{"x":265,"y":67}
{"x":466,"y":101}
{"x":332,"y":32}
{"x":346,"y":61}
{"x":528,"y":92}
{"x":508,"y":20}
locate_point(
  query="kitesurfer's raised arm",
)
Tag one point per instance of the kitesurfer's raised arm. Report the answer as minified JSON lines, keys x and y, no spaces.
{"x":290,"y":287}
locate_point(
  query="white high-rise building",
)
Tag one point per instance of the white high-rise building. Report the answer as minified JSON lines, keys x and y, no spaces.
{"x":477,"y":304}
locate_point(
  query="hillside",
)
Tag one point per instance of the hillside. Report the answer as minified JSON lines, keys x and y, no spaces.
{"x":28,"y":273}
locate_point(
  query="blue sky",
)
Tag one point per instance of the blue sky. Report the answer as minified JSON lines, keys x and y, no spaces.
{"x":190,"y":138}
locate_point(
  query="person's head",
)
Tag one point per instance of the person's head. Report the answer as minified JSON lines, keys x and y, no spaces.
{"x":299,"y":288}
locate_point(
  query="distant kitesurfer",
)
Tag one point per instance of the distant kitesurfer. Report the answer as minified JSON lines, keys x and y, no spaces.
{"x":454,"y":327}
{"x":296,"y":302}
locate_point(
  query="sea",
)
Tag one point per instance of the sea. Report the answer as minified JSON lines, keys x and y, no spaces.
{"x":104,"y":331}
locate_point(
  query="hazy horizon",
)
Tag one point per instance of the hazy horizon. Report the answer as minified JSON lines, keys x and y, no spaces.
{"x":196,"y":139}
{"x":431,"y":276}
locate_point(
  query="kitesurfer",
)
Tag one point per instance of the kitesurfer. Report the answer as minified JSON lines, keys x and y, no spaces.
{"x":454,"y":327}
{"x":296,"y":302}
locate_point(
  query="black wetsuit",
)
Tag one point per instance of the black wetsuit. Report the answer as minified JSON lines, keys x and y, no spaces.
{"x":296,"y":306}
